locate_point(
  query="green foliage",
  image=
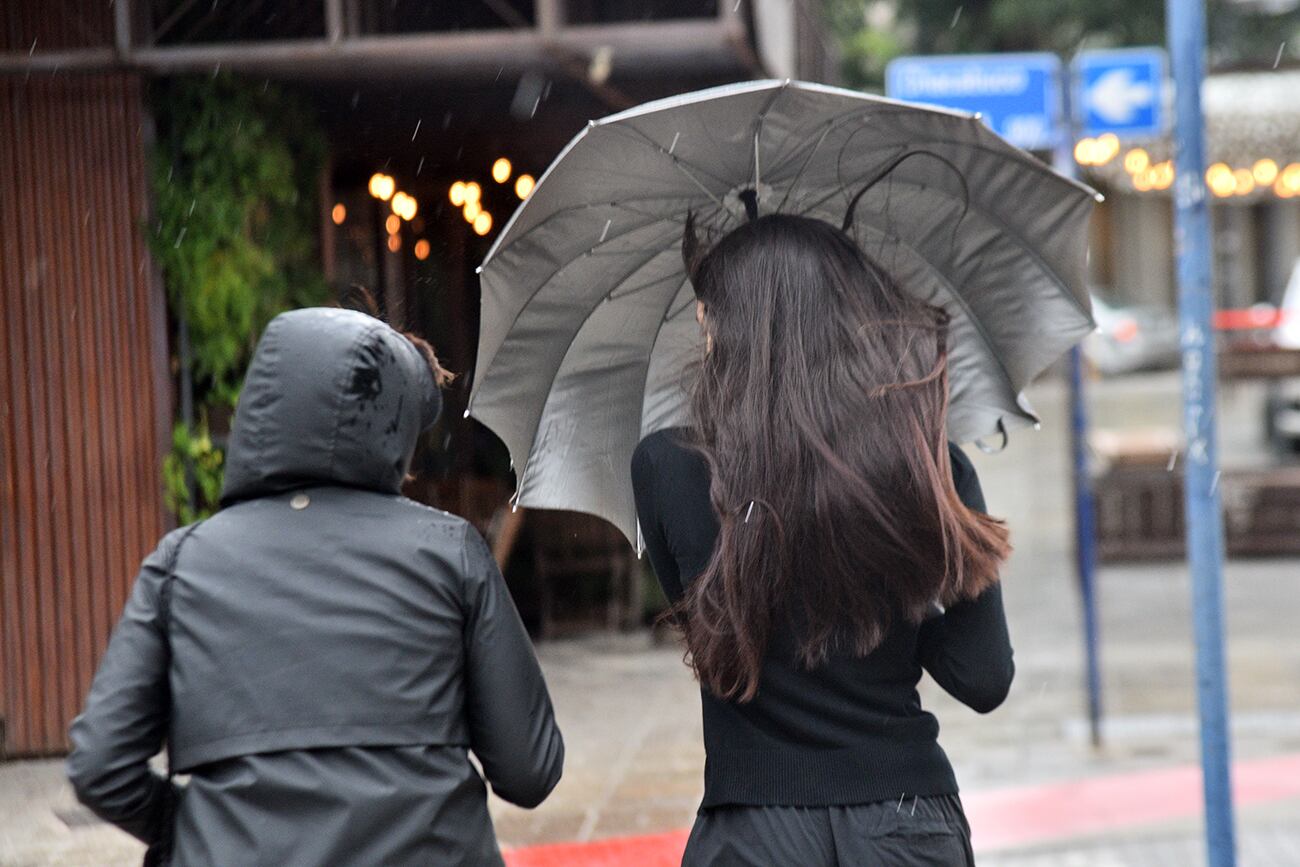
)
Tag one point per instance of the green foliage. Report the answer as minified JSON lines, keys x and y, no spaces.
{"x":195,"y":450}
{"x":235,"y":173}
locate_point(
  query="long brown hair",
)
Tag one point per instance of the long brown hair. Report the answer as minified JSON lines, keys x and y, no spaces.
{"x":821,"y":410}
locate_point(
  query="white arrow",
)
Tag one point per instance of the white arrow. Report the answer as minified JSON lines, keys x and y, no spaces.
{"x":1116,"y":97}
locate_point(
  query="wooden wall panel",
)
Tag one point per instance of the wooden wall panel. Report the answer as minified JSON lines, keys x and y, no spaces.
{"x":83,"y":403}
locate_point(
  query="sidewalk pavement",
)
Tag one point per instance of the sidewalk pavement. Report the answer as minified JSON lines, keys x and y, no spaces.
{"x":630,"y":711}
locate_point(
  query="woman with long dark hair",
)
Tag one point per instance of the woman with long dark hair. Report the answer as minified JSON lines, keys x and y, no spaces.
{"x":822,"y":544}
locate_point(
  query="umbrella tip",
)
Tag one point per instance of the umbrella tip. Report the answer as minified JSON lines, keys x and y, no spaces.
{"x":591,"y":123}
{"x":478,"y":270}
{"x":1098,"y":198}
{"x":466,"y":415}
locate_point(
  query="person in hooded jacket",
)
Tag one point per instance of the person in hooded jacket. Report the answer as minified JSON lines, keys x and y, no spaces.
{"x":322,"y":655}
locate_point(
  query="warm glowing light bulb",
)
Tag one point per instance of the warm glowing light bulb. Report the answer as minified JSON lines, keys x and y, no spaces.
{"x":1265,"y":172}
{"x":457,"y":193}
{"x":382,"y":186}
{"x":1291,"y":177}
{"x":524,"y":186}
{"x":1083,"y":151}
{"x":405,"y":206}
{"x":473,"y":192}
{"x":392,"y":224}
{"x":1143,"y":181}
{"x":1220,"y":180}
{"x":1105,"y":149}
{"x":422,"y":249}
{"x":338,"y":214}
{"x":483,"y":223}
{"x":394,"y":242}
{"x":1282,"y":190}
{"x":1163,"y":175}
{"x":501,"y":170}
{"x":1136,"y":161}
{"x":1245,"y":181}
{"x":472,"y":210}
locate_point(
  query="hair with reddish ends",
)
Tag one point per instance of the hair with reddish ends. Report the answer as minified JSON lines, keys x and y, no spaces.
{"x":358,"y":298}
{"x":821,"y":410}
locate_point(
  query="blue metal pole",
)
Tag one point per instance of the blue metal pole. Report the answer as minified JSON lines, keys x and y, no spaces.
{"x":1085,"y":533}
{"x":1186,"y":32}
{"x":1085,"y":541}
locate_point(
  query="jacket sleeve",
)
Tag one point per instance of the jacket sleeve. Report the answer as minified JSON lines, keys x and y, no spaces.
{"x":511,"y":722}
{"x":967,"y":649}
{"x":124,"y":721}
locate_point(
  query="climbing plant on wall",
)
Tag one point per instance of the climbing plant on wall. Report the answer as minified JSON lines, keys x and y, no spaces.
{"x":235,"y":172}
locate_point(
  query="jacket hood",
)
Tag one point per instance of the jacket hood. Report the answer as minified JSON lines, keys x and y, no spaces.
{"x":331,"y":397}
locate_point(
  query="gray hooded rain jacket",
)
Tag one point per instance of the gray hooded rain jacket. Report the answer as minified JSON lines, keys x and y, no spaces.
{"x":337,"y":650}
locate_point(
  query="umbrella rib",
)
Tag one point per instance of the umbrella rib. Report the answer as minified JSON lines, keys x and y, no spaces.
{"x":680,"y":164}
{"x":487,"y":367}
{"x":568,"y":346}
{"x":988,"y":216}
{"x":679,"y":310}
{"x":614,"y":295}
{"x":756,"y":174}
{"x":571,"y":209}
{"x":957,"y":298}
{"x":812,"y":152}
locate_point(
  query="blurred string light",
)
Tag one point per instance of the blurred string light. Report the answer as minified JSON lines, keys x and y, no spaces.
{"x":405,"y":206}
{"x":457,"y":193}
{"x":483,"y":223}
{"x":422,"y":249}
{"x":394,"y":242}
{"x":1136,"y":160}
{"x":1264,"y":171}
{"x":473,"y":192}
{"x":1220,"y":180}
{"x":1223,"y":180}
{"x":392,"y":224}
{"x":1096,"y":151}
{"x":382,"y":186}
{"x":501,"y":170}
{"x":472,"y":210}
{"x":524,"y":186}
{"x":338,"y":214}
{"x":1245,"y":181}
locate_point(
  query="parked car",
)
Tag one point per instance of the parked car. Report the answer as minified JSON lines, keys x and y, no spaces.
{"x":1131,"y":338}
{"x":1282,"y":405}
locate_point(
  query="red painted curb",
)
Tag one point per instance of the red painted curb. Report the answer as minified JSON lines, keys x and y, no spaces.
{"x":1000,"y":819}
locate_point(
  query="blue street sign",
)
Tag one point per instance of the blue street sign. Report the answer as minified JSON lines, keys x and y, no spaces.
{"x":1120,"y":92}
{"x":1018,"y":95}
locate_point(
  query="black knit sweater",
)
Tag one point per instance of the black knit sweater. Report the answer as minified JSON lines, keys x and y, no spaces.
{"x":851,"y":731}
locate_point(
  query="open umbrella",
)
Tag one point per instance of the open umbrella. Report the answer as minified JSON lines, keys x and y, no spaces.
{"x":588,"y":324}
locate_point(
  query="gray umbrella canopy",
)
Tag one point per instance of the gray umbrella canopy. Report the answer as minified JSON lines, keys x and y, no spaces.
{"x":588,"y":322}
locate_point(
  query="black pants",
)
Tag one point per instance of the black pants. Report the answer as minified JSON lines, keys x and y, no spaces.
{"x":911,"y":832}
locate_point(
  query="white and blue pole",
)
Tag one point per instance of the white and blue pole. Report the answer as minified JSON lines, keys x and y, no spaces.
{"x":1186,"y":33}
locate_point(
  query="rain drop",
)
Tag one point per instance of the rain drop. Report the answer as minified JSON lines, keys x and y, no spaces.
{"x":956,"y":16}
{"x":417,"y":129}
{"x":1278,"y":59}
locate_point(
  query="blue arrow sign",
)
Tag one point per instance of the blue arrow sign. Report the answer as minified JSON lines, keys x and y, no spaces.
{"x":1120,"y":92}
{"x":1018,"y":95}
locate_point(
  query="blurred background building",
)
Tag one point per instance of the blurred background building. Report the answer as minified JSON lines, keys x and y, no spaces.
{"x":172,"y":172}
